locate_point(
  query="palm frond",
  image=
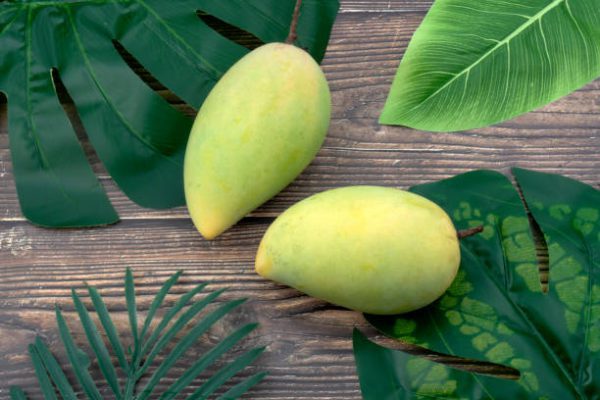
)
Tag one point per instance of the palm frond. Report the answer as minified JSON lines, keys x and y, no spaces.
{"x":141,"y":356}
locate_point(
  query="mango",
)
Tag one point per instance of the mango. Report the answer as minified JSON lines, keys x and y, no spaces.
{"x":371,"y":249}
{"x":258,"y":129}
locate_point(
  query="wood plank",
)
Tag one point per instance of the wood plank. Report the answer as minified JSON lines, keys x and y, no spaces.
{"x":379,"y":6}
{"x":309,"y":347}
{"x":365,"y":48}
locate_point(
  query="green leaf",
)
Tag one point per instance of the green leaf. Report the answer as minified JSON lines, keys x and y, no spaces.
{"x":181,"y":322}
{"x":227,"y":372}
{"x":137,"y":135}
{"x":16,"y":393}
{"x":132,"y":313}
{"x":98,"y":346}
{"x":188,"y":340}
{"x":181,"y":303}
{"x":41,"y":353}
{"x":207,"y":359}
{"x":474,"y":63}
{"x":109,"y":327}
{"x":51,"y":376}
{"x":79,"y":360}
{"x":157,"y":302}
{"x":241,"y":388}
{"x":41,"y":374}
{"x":496,"y":310}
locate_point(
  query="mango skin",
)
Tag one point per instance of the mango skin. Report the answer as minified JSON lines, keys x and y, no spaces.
{"x":258,"y":129}
{"x":371,"y":249}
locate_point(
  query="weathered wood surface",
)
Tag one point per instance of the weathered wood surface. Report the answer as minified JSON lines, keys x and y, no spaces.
{"x":309,"y":348}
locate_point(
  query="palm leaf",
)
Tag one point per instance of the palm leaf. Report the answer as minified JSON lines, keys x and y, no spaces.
{"x":53,"y":380}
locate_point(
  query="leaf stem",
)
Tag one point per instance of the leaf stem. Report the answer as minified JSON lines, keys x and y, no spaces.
{"x":469,"y":232}
{"x":294,"y":26}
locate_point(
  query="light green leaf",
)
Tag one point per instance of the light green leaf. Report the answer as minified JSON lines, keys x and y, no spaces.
{"x":474,"y":63}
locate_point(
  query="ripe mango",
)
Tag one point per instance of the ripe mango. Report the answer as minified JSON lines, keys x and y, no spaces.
{"x":260,"y":126}
{"x":372,"y":249}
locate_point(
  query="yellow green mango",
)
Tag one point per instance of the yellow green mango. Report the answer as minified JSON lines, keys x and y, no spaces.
{"x":372,"y":249}
{"x":260,"y":126}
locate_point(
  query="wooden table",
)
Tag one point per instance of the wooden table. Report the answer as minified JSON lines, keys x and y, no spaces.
{"x":309,"y":351}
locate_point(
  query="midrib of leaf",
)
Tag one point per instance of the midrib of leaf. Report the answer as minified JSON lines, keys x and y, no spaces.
{"x":216,"y":73}
{"x":90,"y":69}
{"x":443,"y":339}
{"x":533,"y":329}
{"x":535,"y":18}
{"x":588,"y":316}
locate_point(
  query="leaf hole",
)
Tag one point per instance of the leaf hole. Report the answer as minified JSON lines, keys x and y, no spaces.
{"x":153,"y":83}
{"x":230,"y":32}
{"x":541,"y":247}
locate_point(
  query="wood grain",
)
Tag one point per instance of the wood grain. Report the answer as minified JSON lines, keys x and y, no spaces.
{"x":363,"y":55}
{"x":308,"y":341}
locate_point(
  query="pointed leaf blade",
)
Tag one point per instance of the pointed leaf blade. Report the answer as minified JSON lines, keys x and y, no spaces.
{"x":55,"y":372}
{"x":109,"y":327}
{"x":226,"y":373}
{"x":185,"y":343}
{"x":206,"y":360}
{"x":97,"y":345}
{"x":16,"y":393}
{"x":78,"y":359}
{"x":238,"y":390}
{"x":181,"y":303}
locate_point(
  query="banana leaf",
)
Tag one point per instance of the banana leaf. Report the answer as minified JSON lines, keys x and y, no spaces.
{"x":474,"y":63}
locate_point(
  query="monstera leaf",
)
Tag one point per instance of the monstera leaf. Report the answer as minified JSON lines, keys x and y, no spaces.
{"x":496,"y":309}
{"x":138,"y":136}
{"x":474,"y":63}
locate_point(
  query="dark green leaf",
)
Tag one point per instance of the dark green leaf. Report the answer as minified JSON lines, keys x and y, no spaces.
{"x":132,"y":313}
{"x":56,"y":373}
{"x":495,"y":310}
{"x":185,"y":343}
{"x":181,"y":322}
{"x":41,"y":374}
{"x":137,"y":135}
{"x":16,"y":393}
{"x":97,"y":345}
{"x":109,"y":327}
{"x":227,"y":372}
{"x":182,"y":302}
{"x":157,"y":302}
{"x":241,"y":388}
{"x":474,"y":63}
{"x":206,"y":360}
{"x":79,"y":360}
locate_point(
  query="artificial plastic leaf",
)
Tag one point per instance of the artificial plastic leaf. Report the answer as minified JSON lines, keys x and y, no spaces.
{"x":51,"y":376}
{"x":474,"y":63}
{"x":496,"y":310}
{"x":137,"y":135}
